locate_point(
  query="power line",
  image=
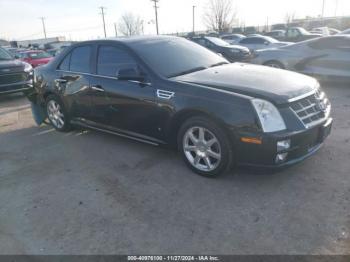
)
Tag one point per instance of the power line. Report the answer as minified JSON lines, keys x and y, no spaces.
{"x":103,"y":19}
{"x":155,"y":10}
{"x":43,"y":22}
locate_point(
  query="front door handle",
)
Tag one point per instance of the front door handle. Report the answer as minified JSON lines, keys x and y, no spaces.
{"x":97,"y":88}
{"x":61,"y":81}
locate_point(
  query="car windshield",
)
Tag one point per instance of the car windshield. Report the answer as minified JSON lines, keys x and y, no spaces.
{"x":39,"y":55}
{"x":4,"y":55}
{"x":217,"y":41}
{"x":176,"y":56}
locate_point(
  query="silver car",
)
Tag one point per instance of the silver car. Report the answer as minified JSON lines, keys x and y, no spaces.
{"x":261,"y":42}
{"x":325,"y":57}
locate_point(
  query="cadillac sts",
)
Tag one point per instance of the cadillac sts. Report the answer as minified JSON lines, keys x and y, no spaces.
{"x":168,"y":90}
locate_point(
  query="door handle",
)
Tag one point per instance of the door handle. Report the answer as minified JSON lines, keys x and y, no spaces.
{"x":97,"y":88}
{"x":61,"y":81}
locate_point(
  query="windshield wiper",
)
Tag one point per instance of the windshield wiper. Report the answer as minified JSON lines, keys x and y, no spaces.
{"x":219,"y":64}
{"x":199,"y":68}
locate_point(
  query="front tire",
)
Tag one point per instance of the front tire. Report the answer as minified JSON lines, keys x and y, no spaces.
{"x":205,"y":147}
{"x":56,"y":114}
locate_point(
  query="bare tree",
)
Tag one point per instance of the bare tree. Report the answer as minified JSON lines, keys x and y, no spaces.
{"x":219,"y":15}
{"x":130,"y":24}
{"x":289,"y":18}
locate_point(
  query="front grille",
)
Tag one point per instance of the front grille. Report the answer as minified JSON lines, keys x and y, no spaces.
{"x":311,"y":109}
{"x":12,"y":78}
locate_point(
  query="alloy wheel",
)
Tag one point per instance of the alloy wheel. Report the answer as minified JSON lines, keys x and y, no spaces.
{"x":55,"y":114}
{"x":202,"y":149}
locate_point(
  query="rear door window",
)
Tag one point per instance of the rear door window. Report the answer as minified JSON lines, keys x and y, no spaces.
{"x":111,"y":59}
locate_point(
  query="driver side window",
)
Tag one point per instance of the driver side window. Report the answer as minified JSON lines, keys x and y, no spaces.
{"x":111,"y":59}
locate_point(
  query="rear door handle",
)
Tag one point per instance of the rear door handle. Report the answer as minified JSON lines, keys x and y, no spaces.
{"x":97,"y":88}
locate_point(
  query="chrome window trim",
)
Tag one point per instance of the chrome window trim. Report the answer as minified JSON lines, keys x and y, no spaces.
{"x":101,"y":76}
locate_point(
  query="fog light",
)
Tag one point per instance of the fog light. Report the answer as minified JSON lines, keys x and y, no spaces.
{"x":283,"y":145}
{"x":281,"y":157}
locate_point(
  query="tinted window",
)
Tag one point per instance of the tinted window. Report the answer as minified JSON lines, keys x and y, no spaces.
{"x":111,"y":59}
{"x":248,"y":41}
{"x":80,"y":59}
{"x":65,"y":63}
{"x":172,"y":56}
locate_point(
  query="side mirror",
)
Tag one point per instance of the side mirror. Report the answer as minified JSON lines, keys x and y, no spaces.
{"x":16,"y":56}
{"x":129,"y":74}
{"x":266,"y":43}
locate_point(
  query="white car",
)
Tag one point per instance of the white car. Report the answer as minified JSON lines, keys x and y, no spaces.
{"x":261,"y":42}
{"x":233,"y":38}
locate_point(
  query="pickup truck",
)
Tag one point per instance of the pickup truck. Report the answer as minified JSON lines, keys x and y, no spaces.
{"x":298,"y":34}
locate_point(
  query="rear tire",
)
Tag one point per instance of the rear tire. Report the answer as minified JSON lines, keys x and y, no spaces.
{"x":57,"y":114}
{"x":205,"y":147}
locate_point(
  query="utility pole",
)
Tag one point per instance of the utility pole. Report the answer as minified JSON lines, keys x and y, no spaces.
{"x":43,"y":22}
{"x":155,"y":10}
{"x":193,"y":7}
{"x":323,"y":3}
{"x":103,"y":19}
{"x":115,"y":29}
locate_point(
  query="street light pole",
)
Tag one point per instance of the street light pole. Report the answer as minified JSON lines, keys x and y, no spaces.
{"x":193,"y":7}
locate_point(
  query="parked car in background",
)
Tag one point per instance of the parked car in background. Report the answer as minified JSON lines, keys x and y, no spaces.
{"x":233,"y":53}
{"x":261,"y":42}
{"x":233,"y":38}
{"x":298,"y":34}
{"x":277,"y":34}
{"x":35,"y":57}
{"x":168,"y":90}
{"x":325,"y":57}
{"x":15,"y":75}
{"x":345,"y":32}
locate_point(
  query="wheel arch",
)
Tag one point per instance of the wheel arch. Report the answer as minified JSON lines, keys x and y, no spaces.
{"x":185,"y":114}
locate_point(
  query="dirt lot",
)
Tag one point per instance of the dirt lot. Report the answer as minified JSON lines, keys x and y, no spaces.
{"x":92,"y":193}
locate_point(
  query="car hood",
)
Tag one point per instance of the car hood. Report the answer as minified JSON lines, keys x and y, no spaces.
{"x":275,"y":85}
{"x":10,"y":66}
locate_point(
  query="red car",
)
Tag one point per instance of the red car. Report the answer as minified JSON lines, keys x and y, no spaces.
{"x":35,"y":57}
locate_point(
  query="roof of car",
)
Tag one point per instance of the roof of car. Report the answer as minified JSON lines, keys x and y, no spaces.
{"x":134,"y":39}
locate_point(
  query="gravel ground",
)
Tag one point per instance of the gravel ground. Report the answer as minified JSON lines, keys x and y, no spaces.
{"x":86,"y":192}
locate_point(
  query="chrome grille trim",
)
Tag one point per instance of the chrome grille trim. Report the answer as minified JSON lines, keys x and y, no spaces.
{"x":311,"y":109}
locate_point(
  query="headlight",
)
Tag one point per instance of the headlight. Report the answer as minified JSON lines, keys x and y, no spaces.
{"x":27,"y":67}
{"x":269,"y":116}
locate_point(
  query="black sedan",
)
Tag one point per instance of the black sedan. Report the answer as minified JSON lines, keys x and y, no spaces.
{"x":233,"y":53}
{"x":15,"y":76}
{"x":168,"y":90}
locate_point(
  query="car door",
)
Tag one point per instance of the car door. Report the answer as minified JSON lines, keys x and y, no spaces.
{"x":73,"y":80}
{"x":122,"y":105}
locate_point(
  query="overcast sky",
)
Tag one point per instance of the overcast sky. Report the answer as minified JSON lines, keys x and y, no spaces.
{"x":80,"y":19}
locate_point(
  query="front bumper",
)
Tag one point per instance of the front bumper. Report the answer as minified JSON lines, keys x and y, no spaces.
{"x":303,"y":144}
{"x":16,"y":87}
